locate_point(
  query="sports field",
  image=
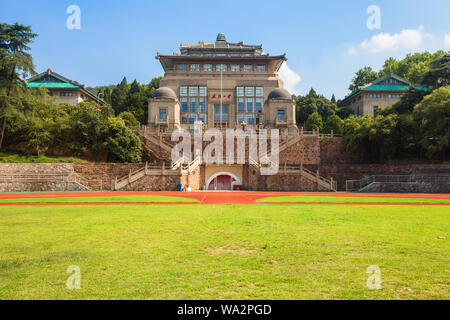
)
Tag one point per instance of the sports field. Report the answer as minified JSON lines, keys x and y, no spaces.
{"x":131,"y":246}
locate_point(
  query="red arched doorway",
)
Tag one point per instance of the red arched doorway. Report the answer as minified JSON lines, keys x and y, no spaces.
{"x":223,"y":181}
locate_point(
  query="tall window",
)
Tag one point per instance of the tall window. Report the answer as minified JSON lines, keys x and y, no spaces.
{"x":261,"y":67}
{"x":248,"y":67}
{"x":163,"y":114}
{"x":221,"y":67}
{"x":249,"y":105}
{"x":221,"y":115}
{"x":193,"y":101}
{"x":281,"y":115}
{"x":235,"y":68}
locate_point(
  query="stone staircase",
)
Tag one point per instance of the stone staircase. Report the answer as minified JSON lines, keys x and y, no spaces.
{"x":327,"y":184}
{"x":177,"y":168}
{"x":69,"y":181}
{"x":162,"y":150}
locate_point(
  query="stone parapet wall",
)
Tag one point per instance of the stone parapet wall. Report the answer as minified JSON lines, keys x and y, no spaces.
{"x":35,"y":168}
{"x":40,"y":186}
{"x":417,"y":187}
{"x":343,"y":172}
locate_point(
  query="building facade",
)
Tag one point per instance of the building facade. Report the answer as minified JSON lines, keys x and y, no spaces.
{"x":223,"y":85}
{"x":62,"y":88}
{"x":381,"y":93}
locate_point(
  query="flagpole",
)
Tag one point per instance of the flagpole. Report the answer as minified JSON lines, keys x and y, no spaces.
{"x":221,"y":94}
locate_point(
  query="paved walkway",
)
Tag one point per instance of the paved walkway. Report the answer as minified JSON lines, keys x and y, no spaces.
{"x":220,"y":197}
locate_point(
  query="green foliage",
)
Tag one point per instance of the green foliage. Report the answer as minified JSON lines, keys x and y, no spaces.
{"x":15,"y":61}
{"x":393,"y":134}
{"x":314,"y":122}
{"x":89,"y":124}
{"x":362,"y":76}
{"x":413,"y":67}
{"x":406,"y":103}
{"x":373,"y":138}
{"x":344,"y":112}
{"x":22,"y":157}
{"x":335,"y":124}
{"x":311,"y":103}
{"x":132,"y":98}
{"x":433,"y":115}
{"x":129,"y":119}
{"x":121,"y":143}
{"x":439,"y":72}
{"x":118,"y":95}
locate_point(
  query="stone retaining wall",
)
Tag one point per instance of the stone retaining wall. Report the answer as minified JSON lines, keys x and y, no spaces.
{"x":40,"y":186}
{"x":417,"y":187}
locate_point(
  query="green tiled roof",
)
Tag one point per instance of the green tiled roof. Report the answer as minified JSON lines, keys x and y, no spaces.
{"x":60,"y":83}
{"x":391,"y":87}
{"x":375,"y":86}
{"x":55,"y":85}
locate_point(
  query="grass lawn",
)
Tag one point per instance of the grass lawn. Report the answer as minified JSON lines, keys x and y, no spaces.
{"x":300,"y":199}
{"x":224,"y":251}
{"x":100,"y":199}
{"x":20,"y":157}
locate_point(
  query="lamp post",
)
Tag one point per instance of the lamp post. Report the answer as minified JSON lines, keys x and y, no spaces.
{"x":98,"y":97}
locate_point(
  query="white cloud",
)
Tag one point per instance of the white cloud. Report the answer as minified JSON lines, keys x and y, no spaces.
{"x":290,"y":78}
{"x":447,"y":40}
{"x":405,"y":40}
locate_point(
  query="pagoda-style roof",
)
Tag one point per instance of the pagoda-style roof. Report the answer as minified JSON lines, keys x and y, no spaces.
{"x":53,"y":80}
{"x":386,"y":83}
{"x":168,"y":61}
{"x":220,"y":46}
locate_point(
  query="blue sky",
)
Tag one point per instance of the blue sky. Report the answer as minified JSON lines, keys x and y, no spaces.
{"x":325,"y":41}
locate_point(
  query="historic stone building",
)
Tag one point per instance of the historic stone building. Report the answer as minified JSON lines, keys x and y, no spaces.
{"x":381,"y":93}
{"x":62,"y":88}
{"x":224,"y":85}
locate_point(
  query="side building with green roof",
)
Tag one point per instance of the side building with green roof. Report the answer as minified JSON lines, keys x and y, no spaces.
{"x":381,"y":93}
{"x":62,"y":88}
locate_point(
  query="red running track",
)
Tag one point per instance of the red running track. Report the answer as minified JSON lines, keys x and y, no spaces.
{"x":222,"y":197}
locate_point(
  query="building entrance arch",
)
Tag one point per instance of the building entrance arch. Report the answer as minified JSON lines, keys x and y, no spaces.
{"x":223,"y":181}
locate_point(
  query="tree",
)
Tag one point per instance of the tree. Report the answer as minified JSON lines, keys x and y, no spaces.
{"x":413,"y":67}
{"x":88,"y":123}
{"x":433,"y":115}
{"x":15,"y":61}
{"x":121,"y":143}
{"x":39,"y":122}
{"x":118,"y":95}
{"x":314,"y":122}
{"x":129,"y":119}
{"x":333,"y":99}
{"x":311,"y":103}
{"x":136,"y":102}
{"x":362,"y":77}
{"x":335,"y":124}
{"x":439,"y":73}
{"x":406,"y":103}
{"x":344,"y":112}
